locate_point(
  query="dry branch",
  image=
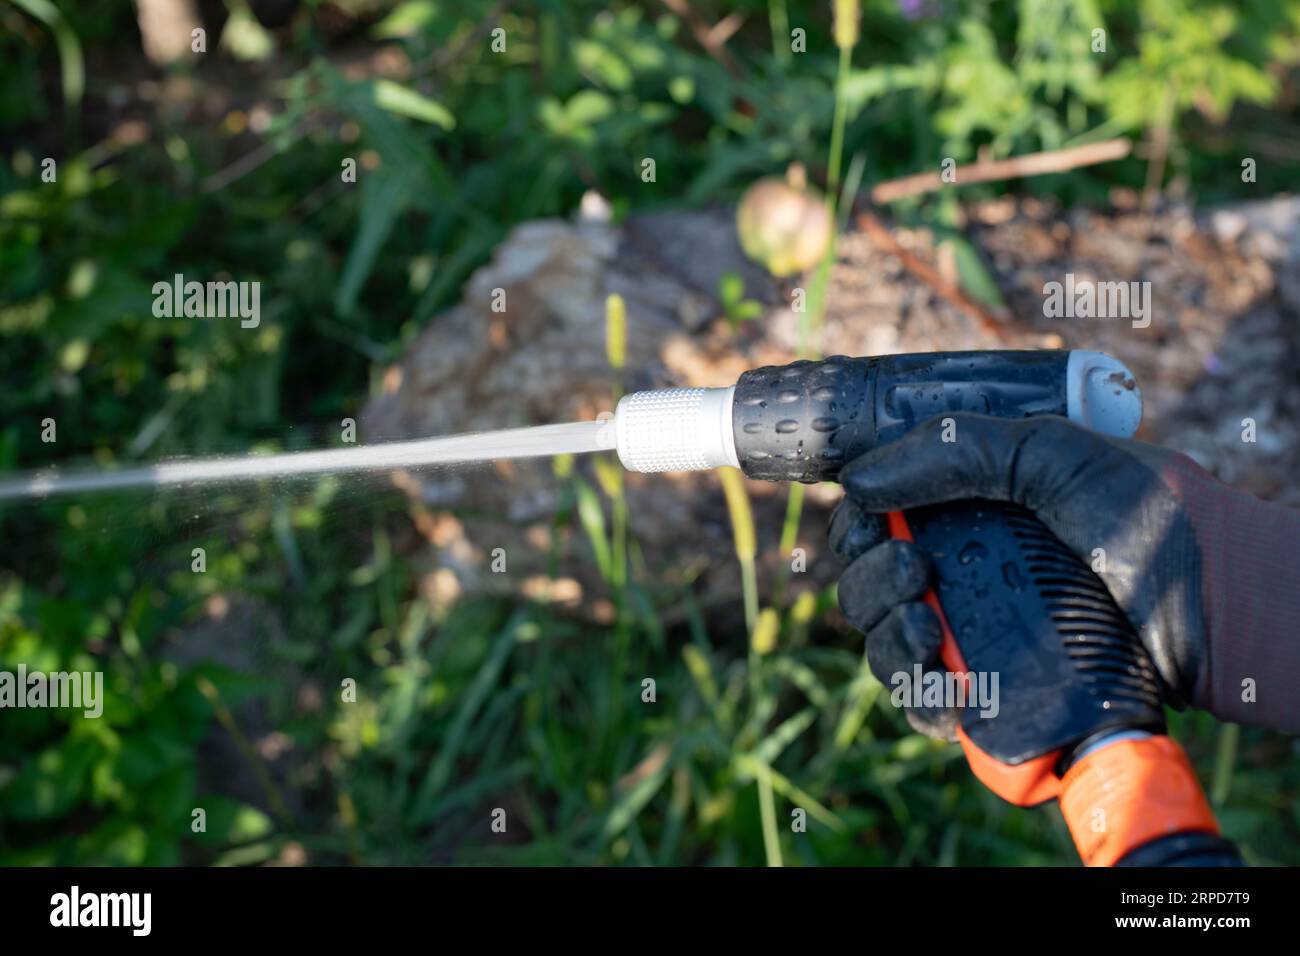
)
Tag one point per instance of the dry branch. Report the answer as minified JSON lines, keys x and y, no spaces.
{"x":1035,"y":164}
{"x":928,"y":274}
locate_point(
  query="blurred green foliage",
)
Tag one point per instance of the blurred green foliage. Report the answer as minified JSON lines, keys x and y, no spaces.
{"x":492,"y":703}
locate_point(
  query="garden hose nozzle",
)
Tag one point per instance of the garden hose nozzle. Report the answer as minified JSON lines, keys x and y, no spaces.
{"x":1011,"y":598}
{"x":803,"y":421}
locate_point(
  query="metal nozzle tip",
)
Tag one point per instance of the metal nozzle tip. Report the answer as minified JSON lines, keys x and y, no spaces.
{"x":675,"y":429}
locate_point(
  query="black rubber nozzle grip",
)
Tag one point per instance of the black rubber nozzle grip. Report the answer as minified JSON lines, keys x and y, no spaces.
{"x":804,"y":421}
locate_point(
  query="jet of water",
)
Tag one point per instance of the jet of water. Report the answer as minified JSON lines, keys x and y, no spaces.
{"x":540,"y":441}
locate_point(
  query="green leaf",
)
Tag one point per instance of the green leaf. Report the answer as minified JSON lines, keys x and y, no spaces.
{"x":974,"y":277}
{"x":588,"y":107}
{"x":71,"y":61}
{"x":407,"y":20}
{"x":49,"y":785}
{"x":633,"y":801}
{"x":592,"y":517}
{"x":731,"y":290}
{"x":784,"y":735}
{"x":382,"y":200}
{"x":405,"y":101}
{"x":485,"y":680}
{"x":250,"y":823}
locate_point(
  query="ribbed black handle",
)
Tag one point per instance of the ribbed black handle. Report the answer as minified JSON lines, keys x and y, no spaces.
{"x":1021,"y":604}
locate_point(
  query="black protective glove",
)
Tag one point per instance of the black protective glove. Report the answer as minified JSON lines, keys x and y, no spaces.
{"x":1209,"y":577}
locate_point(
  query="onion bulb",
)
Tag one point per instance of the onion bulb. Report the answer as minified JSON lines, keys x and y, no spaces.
{"x":784,"y":225}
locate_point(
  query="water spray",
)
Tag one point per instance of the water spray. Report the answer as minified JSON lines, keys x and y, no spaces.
{"x":540,"y":441}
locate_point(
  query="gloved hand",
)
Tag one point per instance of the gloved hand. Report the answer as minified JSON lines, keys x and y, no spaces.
{"x":1209,"y":577}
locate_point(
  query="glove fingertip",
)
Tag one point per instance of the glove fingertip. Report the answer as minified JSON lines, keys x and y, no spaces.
{"x":921,"y":632}
{"x":868,"y":481}
{"x":887,"y":575}
{"x":937,"y":723}
{"x":853,"y":531}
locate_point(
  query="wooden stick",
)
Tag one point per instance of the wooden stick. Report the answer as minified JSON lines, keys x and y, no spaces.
{"x":266,"y":150}
{"x":1035,"y":164}
{"x":447,"y":57}
{"x":882,"y":237}
{"x":705,"y":36}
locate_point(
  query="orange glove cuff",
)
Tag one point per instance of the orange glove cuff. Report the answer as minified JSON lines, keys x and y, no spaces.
{"x":1131,"y":792}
